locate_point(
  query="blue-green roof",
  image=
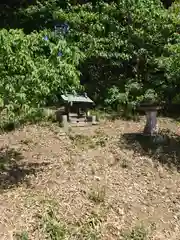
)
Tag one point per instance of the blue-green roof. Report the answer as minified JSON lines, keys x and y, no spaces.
{"x":76,"y":98}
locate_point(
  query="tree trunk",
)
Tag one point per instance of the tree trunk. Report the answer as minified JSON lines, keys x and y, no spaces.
{"x":151,"y":123}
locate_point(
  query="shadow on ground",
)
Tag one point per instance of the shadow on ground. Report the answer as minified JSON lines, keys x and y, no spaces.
{"x":164,"y":147}
{"x":14,"y":170}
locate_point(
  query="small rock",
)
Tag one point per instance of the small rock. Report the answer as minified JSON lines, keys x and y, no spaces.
{"x":97,"y":178}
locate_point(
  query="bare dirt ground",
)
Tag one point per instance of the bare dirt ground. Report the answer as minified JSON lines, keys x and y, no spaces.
{"x":92,"y":183}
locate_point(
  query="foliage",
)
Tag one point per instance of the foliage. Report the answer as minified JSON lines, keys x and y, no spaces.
{"x":89,"y":229}
{"x":123,"y":43}
{"x":22,"y":236}
{"x":53,"y":229}
{"x":32,"y":73}
{"x":169,"y":62}
{"x":138,"y":233}
{"x":125,"y":52}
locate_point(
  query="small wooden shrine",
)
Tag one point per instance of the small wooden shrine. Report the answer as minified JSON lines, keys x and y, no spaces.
{"x":76,"y":108}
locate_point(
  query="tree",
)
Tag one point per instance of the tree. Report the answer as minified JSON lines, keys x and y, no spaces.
{"x":123,"y":43}
{"x":38,"y":14}
{"x":34,"y":71}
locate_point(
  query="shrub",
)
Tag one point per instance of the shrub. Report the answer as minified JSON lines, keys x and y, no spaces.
{"x":32,"y":71}
{"x":123,"y":43}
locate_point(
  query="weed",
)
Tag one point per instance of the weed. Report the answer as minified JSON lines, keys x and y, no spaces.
{"x":53,"y":228}
{"x":101,"y":141}
{"x":98,"y":195}
{"x":99,"y":114}
{"x":82,"y":140}
{"x":22,"y":236}
{"x":90,"y":229}
{"x":100,"y":138}
{"x":137,"y":233}
{"x":86,"y":230}
{"x":125,"y":163}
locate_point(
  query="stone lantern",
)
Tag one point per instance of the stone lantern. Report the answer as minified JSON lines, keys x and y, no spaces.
{"x":151,"y":110}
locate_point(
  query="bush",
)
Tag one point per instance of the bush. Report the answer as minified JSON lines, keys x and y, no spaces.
{"x":126,"y":51}
{"x":34,"y":71}
{"x":123,"y":43}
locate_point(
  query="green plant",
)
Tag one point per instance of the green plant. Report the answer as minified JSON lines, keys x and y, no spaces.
{"x":54,"y":230}
{"x":125,"y":163}
{"x":90,"y":229}
{"x":100,"y":138}
{"x":82,"y":140}
{"x":123,"y":42}
{"x":22,"y":236}
{"x":97,"y":195}
{"x":137,"y":233}
{"x":32,"y":73}
{"x":125,"y":52}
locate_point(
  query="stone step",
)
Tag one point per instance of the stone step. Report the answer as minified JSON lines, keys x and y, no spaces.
{"x":82,"y":124}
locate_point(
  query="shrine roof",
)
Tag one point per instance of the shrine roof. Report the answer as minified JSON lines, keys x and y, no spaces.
{"x":76,"y":98}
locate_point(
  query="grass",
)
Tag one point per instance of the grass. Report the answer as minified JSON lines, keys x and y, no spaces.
{"x":82,"y":140}
{"x":137,"y":233}
{"x":99,"y":139}
{"x":93,"y":183}
{"x":53,"y":229}
{"x":89,"y":230}
{"x":22,"y":236}
{"x":98,"y":194}
{"x":125,"y":163}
